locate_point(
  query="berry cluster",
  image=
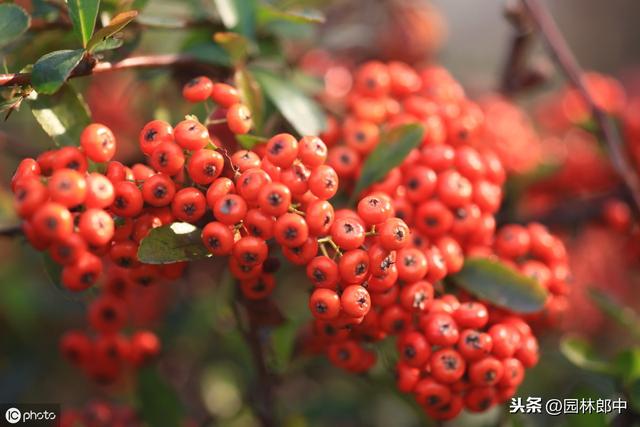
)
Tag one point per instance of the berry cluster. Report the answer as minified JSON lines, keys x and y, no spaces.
{"x":108,"y":354}
{"x":454,"y":351}
{"x":376,"y":270}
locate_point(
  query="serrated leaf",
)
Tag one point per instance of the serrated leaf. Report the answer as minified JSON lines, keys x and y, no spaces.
{"x":83,"y":14}
{"x":177,"y":242}
{"x":249,"y":141}
{"x":251,"y":95}
{"x":14,"y":21}
{"x":390,"y":152}
{"x":302,"y":112}
{"x":501,"y":285}
{"x":236,"y":46}
{"x":158,"y":402}
{"x":62,"y":116}
{"x":53,"y":69}
{"x":579,"y":352}
{"x":268,"y":14}
{"x":116,"y":24}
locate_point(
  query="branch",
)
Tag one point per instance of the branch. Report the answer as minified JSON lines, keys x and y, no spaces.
{"x":142,"y":22}
{"x":10,"y":230}
{"x":264,"y":400}
{"x":85,"y":68}
{"x":565,"y":59}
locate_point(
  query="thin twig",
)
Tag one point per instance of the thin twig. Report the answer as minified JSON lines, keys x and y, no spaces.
{"x":264,"y":404}
{"x":10,"y":230}
{"x":565,"y":59}
{"x":142,"y":22}
{"x":85,"y":68}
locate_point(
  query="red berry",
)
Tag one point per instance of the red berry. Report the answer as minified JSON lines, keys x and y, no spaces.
{"x":153,"y":134}
{"x":191,"y":135}
{"x":197,"y":89}
{"x":239,"y":119}
{"x":98,"y":142}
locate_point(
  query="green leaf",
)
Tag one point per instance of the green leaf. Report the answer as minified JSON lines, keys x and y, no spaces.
{"x":62,"y":116}
{"x":83,"y":15}
{"x":108,"y":44}
{"x":501,"y":285}
{"x":14,"y":21}
{"x":236,"y":46}
{"x":624,"y":316}
{"x":116,"y":24}
{"x":627,"y":365}
{"x":283,"y":343}
{"x":302,"y":112}
{"x":53,"y":270}
{"x":249,"y":141}
{"x":158,"y":402}
{"x":390,"y":152}
{"x":177,"y":242}
{"x":268,"y":14}
{"x":238,"y":15}
{"x":251,"y":95}
{"x":53,"y":69}
{"x":633,"y":391}
{"x":579,"y":352}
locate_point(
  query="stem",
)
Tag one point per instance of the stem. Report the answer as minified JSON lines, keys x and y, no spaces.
{"x":515,"y":64}
{"x":264,"y":403}
{"x":565,"y":59}
{"x":85,"y":68}
{"x":142,"y":22}
{"x":10,"y":230}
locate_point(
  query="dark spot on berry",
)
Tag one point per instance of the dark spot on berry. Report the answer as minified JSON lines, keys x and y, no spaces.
{"x":409,"y":352}
{"x":150,"y":135}
{"x":160,"y":191}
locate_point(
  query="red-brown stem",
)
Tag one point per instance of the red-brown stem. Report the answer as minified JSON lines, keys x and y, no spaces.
{"x":567,"y":62}
{"x":135,"y":62}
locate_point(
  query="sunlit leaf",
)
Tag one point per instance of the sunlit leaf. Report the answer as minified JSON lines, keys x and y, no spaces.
{"x":501,"y":285}
{"x":83,"y":15}
{"x":301,"y":111}
{"x":116,"y":24}
{"x":390,"y":152}
{"x":267,"y":14}
{"x":236,"y":46}
{"x":580,"y":353}
{"x":251,"y":95}
{"x":168,"y":244}
{"x":53,"y":69}
{"x":238,"y":15}
{"x":62,"y":116}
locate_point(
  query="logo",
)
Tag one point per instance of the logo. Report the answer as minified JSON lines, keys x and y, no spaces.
{"x":13,"y":415}
{"x":27,"y":415}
